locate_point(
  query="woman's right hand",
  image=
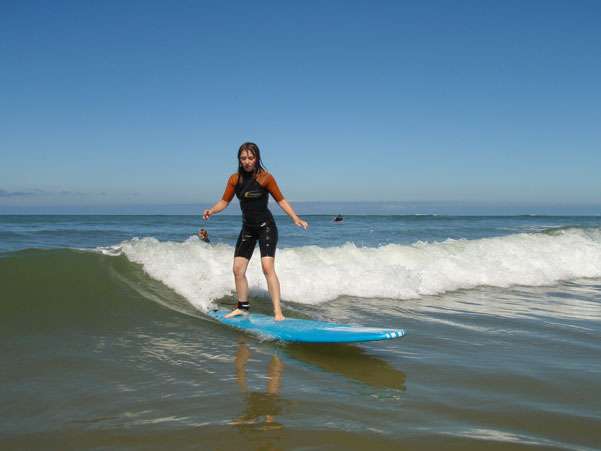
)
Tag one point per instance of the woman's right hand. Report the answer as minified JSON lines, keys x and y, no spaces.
{"x":218,"y":207}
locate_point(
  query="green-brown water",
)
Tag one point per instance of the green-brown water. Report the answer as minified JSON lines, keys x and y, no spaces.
{"x":96,"y":354}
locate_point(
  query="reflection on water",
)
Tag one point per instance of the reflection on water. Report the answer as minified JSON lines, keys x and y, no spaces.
{"x":351,"y":362}
{"x":261,"y":408}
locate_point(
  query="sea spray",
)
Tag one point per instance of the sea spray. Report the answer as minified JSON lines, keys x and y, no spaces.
{"x":311,"y":274}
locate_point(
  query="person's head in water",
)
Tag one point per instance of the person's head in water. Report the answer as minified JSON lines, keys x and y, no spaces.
{"x":204,"y":235}
{"x":249,"y":159}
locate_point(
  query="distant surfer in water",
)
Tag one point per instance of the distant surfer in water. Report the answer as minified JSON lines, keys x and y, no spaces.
{"x":204,"y":235}
{"x":252,"y":185}
{"x":338,"y":218}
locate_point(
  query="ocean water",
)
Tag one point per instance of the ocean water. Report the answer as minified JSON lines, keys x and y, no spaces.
{"x":105,"y":343}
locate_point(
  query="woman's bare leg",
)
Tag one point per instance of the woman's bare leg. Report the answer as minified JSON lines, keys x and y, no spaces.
{"x":240,"y":265}
{"x":273,"y":285}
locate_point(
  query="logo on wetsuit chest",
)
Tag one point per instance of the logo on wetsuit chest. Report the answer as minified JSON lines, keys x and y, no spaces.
{"x":253,"y":194}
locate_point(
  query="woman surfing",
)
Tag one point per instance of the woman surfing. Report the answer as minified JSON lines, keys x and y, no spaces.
{"x":252,"y":185}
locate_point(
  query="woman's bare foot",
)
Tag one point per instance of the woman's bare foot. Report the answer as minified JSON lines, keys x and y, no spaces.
{"x":236,"y":312}
{"x":279,"y":317}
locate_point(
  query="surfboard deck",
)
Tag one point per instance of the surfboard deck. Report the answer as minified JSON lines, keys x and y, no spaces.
{"x":304,"y":330}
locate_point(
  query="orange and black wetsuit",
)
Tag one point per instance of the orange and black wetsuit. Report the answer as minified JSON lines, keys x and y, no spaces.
{"x":257,"y":220}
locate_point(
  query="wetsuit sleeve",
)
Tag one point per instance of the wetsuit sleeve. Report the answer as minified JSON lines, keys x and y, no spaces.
{"x":230,"y":189}
{"x":272,"y":187}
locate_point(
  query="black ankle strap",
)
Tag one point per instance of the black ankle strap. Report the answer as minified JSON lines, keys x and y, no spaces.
{"x":243,"y":305}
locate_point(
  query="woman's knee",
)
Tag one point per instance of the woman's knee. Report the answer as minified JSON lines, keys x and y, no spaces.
{"x":267,"y":264}
{"x":239,"y":268}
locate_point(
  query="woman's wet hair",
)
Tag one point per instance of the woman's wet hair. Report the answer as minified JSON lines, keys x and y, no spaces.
{"x":254,"y":149}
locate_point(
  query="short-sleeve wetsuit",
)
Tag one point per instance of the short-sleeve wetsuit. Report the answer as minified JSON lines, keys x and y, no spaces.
{"x":257,"y":220}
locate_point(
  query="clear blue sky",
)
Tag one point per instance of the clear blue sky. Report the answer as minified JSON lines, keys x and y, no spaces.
{"x":122,"y":103}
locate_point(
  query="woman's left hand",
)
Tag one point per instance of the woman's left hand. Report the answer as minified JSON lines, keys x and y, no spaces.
{"x":300,"y":223}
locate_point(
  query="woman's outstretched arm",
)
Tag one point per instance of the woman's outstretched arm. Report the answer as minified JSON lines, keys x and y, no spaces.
{"x":284,"y":205}
{"x":219,"y":206}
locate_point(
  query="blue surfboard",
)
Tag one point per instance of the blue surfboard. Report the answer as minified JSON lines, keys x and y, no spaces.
{"x":304,"y":330}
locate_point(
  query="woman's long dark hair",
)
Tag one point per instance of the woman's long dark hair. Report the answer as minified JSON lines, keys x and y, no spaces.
{"x":254,"y":149}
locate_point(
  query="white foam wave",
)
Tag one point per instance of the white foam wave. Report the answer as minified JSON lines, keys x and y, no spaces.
{"x":311,"y":275}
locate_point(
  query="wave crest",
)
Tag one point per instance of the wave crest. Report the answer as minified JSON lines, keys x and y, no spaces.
{"x":312,"y":275}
